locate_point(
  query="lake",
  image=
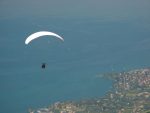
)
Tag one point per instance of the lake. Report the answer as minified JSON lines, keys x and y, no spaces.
{"x":91,"y":47}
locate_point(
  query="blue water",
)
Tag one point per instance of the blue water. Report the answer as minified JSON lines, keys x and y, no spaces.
{"x":91,"y":47}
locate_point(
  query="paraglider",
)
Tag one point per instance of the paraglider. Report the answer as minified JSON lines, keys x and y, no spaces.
{"x":40,"y":34}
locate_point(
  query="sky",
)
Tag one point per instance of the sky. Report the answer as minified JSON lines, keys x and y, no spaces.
{"x":106,"y":9}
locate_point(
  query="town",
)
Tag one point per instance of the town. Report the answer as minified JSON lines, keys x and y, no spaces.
{"x":130,"y":94}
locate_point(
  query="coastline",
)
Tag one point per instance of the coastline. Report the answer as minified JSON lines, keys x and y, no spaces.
{"x":130,"y":94}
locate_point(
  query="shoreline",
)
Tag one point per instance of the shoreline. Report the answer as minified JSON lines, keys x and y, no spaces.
{"x":130,"y":93}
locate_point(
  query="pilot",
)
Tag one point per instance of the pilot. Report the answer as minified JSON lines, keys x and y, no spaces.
{"x":43,"y":65}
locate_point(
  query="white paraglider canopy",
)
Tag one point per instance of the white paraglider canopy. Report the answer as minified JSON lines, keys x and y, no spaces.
{"x":41,"y":33}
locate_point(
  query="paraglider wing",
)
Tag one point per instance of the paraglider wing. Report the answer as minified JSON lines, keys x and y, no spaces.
{"x":41,"y":33}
